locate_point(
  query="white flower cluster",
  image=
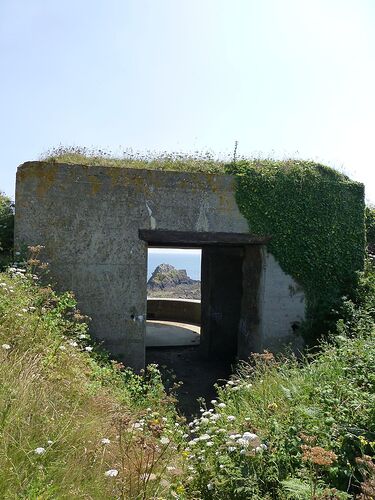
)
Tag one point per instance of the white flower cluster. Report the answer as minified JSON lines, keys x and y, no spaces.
{"x":214,"y":430}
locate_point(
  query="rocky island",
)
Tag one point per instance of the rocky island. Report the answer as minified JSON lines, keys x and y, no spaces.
{"x":169,"y":282}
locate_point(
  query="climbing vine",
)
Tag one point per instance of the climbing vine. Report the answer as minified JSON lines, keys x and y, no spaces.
{"x":315,"y":217}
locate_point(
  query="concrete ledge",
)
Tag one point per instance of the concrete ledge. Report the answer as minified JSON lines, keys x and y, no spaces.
{"x":181,"y":310}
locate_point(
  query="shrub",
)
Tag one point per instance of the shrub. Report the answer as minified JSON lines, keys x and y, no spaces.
{"x":288,"y":428}
{"x":6,"y":230}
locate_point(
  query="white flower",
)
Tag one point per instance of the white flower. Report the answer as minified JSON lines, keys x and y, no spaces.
{"x":213,"y":401}
{"x":62,"y":348}
{"x":242,"y":452}
{"x":204,"y":437}
{"x":111,"y":473}
{"x":73,"y":343}
{"x":89,"y":348}
{"x":209,"y":443}
{"x":209,"y":486}
{"x":148,"y":477}
{"x":243,"y":442}
{"x":40,"y":450}
{"x":214,"y":417}
{"x":221,"y":405}
{"x":231,"y":448}
{"x":24,"y":310}
{"x":249,"y":436}
{"x":164,"y":440}
{"x":231,"y":418}
{"x":105,"y":441}
{"x":6,"y":347}
{"x":50,"y":442}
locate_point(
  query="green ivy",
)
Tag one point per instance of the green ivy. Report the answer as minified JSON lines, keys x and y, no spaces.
{"x":315,"y":217}
{"x":6,"y":230}
{"x":370,"y":229}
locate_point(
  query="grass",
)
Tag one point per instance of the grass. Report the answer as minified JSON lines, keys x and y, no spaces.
{"x":73,"y":424}
{"x":196,"y":162}
{"x":60,"y":397}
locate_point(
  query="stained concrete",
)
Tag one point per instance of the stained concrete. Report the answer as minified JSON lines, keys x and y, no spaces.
{"x":171,"y":334}
{"x":89,"y":220}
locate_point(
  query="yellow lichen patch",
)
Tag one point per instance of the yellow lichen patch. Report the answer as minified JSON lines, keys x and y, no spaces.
{"x":94,"y":183}
{"x":45,"y":175}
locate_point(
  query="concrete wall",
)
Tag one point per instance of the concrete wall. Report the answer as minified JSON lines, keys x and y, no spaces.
{"x":181,"y":310}
{"x":88,"y":220}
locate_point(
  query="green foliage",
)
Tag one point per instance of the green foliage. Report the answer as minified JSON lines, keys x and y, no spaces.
{"x":315,"y":217}
{"x":324,"y":402}
{"x":370,"y":229}
{"x":6,"y":230}
{"x":60,"y":396}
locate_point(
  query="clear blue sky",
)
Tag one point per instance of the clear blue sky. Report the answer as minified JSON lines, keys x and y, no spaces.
{"x":283,"y":77}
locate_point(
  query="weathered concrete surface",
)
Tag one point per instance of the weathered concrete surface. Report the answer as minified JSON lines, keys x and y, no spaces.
{"x":88,"y":219}
{"x":171,"y":334}
{"x":182,"y":310}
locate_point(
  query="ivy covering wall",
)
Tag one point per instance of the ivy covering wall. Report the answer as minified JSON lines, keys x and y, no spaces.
{"x":315,"y":217}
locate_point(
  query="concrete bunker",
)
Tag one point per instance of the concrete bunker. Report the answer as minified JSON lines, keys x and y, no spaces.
{"x":96,"y":224}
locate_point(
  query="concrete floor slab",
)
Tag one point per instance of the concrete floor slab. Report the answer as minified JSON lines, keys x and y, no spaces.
{"x":170,"y":333}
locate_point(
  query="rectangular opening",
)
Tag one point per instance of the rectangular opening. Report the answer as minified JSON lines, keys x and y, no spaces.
{"x":173,"y":297}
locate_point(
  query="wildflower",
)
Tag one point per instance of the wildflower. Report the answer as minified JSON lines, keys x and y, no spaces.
{"x":209,"y":443}
{"x":231,"y":418}
{"x":24,"y":310}
{"x":40,"y":450}
{"x":148,"y":477}
{"x":243,"y":442}
{"x":73,"y":343}
{"x":164,"y":440}
{"x":221,"y":405}
{"x":6,"y":347}
{"x":111,"y":473}
{"x":50,"y":442}
{"x":209,"y":486}
{"x":204,"y":437}
{"x":105,"y":441}
{"x":231,"y":448}
{"x":213,"y":401}
{"x":89,"y":348}
{"x":249,"y":436}
{"x":62,"y":348}
{"x":318,"y":455}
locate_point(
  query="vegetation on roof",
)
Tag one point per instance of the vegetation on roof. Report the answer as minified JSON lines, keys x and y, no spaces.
{"x":194,"y":162}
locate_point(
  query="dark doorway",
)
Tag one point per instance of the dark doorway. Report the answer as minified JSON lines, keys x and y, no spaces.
{"x":222,"y":283}
{"x":230,"y":275}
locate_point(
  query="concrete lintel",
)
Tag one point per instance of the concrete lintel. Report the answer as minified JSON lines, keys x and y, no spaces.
{"x":160,"y":237}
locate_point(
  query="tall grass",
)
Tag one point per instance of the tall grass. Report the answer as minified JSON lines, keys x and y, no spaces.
{"x":73,"y":424}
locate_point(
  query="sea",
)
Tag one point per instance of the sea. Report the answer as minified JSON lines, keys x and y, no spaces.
{"x":189,"y":259}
